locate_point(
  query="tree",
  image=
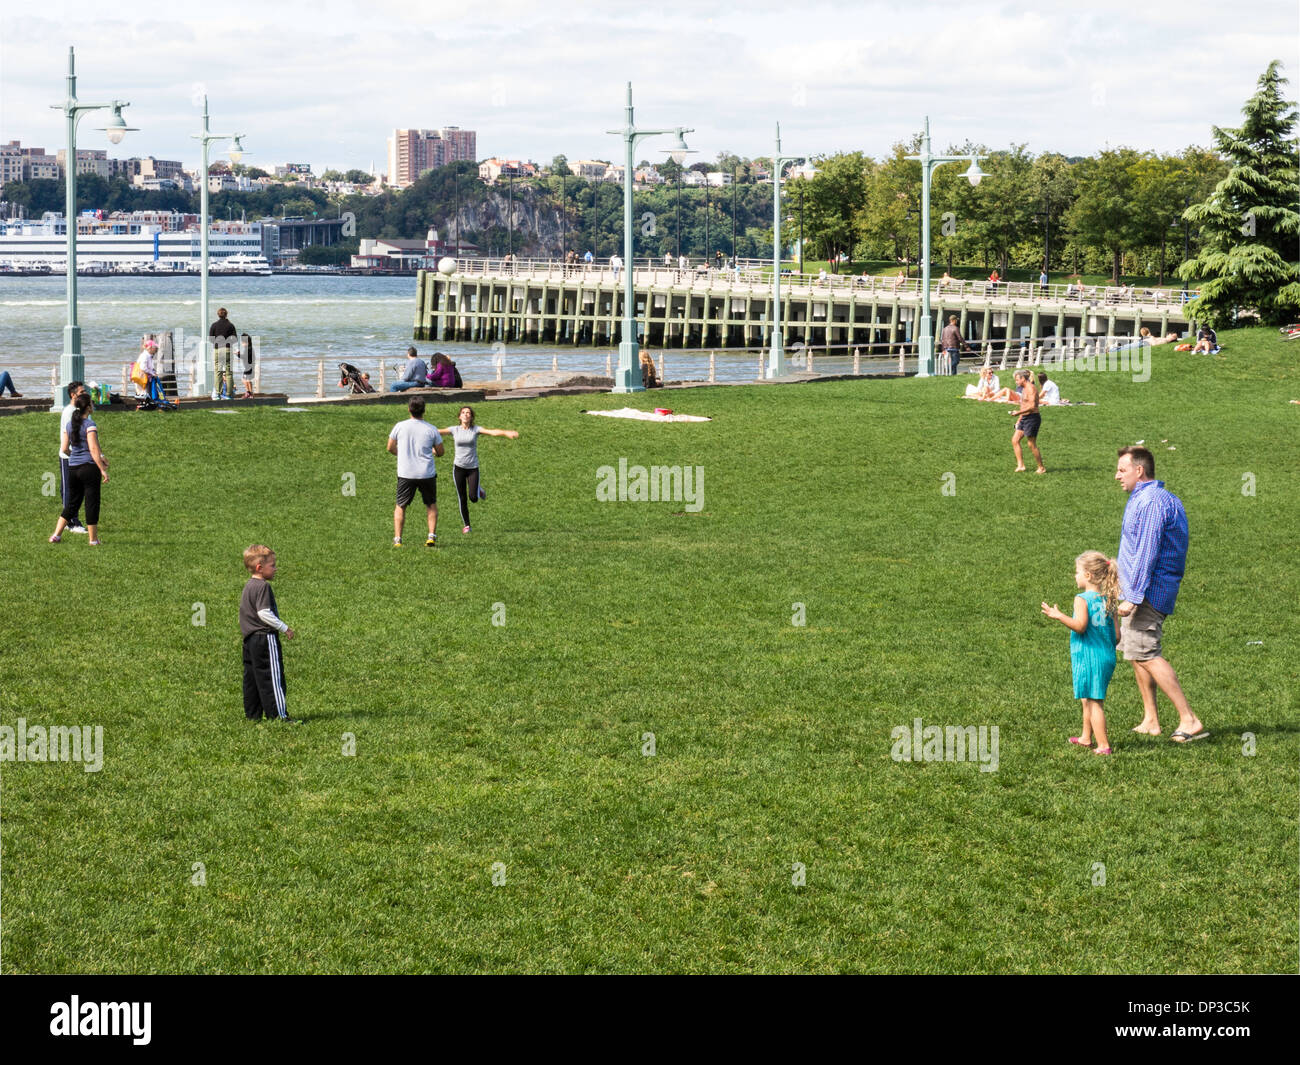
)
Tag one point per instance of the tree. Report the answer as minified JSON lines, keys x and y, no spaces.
{"x":1106,"y":213}
{"x":1249,"y":223}
{"x":560,"y":166}
{"x":835,"y":198}
{"x":358,"y":177}
{"x":894,"y":186}
{"x":332,"y":175}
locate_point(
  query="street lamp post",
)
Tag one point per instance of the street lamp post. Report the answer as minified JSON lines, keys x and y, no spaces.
{"x":628,"y":376}
{"x":72,"y":364}
{"x":801,"y":225}
{"x":205,"y":379}
{"x":679,"y":213}
{"x":510,"y":220}
{"x":925,"y":334}
{"x":776,"y":346}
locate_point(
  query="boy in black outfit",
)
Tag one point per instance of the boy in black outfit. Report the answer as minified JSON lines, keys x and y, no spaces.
{"x":261,"y":626}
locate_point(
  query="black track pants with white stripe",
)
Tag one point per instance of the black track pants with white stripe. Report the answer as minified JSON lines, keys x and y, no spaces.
{"x":263,"y":677}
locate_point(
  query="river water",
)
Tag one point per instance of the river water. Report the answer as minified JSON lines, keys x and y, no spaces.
{"x":298,"y":320}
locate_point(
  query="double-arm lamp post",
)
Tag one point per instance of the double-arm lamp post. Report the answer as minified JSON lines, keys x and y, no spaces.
{"x":72,"y":364}
{"x":206,"y":377}
{"x":776,"y":348}
{"x":627,"y":378}
{"x":924,"y":333}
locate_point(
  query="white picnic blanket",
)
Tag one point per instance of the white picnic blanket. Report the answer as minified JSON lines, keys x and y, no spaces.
{"x":648,"y":415}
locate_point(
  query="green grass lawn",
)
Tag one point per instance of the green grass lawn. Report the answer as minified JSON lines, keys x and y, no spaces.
{"x":522,"y":743}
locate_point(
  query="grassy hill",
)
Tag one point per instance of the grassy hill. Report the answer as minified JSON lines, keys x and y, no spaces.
{"x":526,"y":743}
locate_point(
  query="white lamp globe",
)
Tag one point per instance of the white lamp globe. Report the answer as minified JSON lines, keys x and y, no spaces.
{"x":447,"y":266}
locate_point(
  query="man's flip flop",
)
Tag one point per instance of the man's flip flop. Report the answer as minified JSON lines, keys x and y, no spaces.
{"x":1179,"y":736}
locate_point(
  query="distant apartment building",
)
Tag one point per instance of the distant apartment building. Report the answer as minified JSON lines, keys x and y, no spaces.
{"x":11,"y":162}
{"x":89,"y":161}
{"x":413,"y":151}
{"x":35,"y":164}
{"x":149,"y":173}
{"x":718,"y":178}
{"x":592,"y":169}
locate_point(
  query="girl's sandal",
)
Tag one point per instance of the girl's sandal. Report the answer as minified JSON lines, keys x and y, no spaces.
{"x":1079,"y":740}
{"x":1102,"y":750}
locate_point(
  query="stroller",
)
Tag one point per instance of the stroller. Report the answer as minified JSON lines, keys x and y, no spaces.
{"x":351,"y":377}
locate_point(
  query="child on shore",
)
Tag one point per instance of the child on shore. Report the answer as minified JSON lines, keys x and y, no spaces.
{"x":1092,"y":642}
{"x":261,"y":626}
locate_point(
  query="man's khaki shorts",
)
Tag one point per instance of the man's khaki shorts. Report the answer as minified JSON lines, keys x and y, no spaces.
{"x":1139,"y":633}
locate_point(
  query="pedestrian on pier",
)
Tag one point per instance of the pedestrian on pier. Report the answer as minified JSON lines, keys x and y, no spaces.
{"x":222,"y":333}
{"x":616,"y":264}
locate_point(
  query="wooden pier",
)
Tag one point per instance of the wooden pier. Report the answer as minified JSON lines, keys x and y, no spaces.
{"x":549,"y":302}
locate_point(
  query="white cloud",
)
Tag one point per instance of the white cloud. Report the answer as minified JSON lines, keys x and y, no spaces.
{"x":327,"y":82}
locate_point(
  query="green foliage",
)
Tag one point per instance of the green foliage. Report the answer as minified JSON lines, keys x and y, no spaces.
{"x":1250,"y":222}
{"x":334,"y":255}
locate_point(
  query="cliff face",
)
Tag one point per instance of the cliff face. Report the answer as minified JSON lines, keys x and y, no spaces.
{"x":535,"y":217}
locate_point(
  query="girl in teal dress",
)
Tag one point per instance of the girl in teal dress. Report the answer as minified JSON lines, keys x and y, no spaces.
{"x":1093,"y":637}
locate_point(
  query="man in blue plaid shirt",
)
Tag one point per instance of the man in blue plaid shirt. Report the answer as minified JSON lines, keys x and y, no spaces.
{"x":1152,"y":555}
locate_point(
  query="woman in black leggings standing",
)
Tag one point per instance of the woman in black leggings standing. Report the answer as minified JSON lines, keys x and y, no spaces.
{"x":87,"y":469}
{"x":464,"y":470}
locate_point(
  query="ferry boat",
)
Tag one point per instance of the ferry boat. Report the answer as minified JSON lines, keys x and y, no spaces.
{"x":252,"y":265}
{"x":152,"y":242}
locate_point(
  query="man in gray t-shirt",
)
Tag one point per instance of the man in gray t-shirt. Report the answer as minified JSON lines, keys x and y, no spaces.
{"x":416,"y":374}
{"x":415,"y":443}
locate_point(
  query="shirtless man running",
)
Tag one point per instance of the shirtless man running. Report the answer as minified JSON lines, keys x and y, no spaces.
{"x":1028,"y":421}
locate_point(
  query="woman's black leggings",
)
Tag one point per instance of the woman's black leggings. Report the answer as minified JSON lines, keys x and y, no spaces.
{"x":83,"y":484}
{"x":466,"y":489}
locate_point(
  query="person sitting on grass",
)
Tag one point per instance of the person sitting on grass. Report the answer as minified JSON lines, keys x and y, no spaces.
{"x":1207,"y":341}
{"x":1049,"y":393}
{"x":7,"y":382}
{"x":986,"y":388}
{"x":415,"y":375}
{"x":443,"y":372}
{"x":649,"y":378}
{"x":1147,"y":338}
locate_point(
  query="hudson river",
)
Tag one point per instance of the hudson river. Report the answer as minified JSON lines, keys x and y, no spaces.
{"x":298,"y":320}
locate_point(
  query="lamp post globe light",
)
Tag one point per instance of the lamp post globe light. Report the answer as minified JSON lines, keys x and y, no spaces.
{"x":928,"y":161}
{"x":72,"y":364}
{"x":776,"y":347}
{"x":205,"y":379}
{"x":627,"y":378}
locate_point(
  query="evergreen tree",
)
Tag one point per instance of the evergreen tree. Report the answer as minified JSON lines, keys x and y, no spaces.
{"x":1250,"y":224}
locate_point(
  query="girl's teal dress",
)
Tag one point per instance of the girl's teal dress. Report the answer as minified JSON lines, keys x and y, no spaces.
{"x":1092,"y":654}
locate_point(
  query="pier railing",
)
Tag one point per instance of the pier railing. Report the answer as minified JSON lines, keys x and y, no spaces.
{"x":753,"y":274}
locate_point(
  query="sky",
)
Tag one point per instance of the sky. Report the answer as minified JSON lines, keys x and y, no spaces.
{"x":326,"y":82}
